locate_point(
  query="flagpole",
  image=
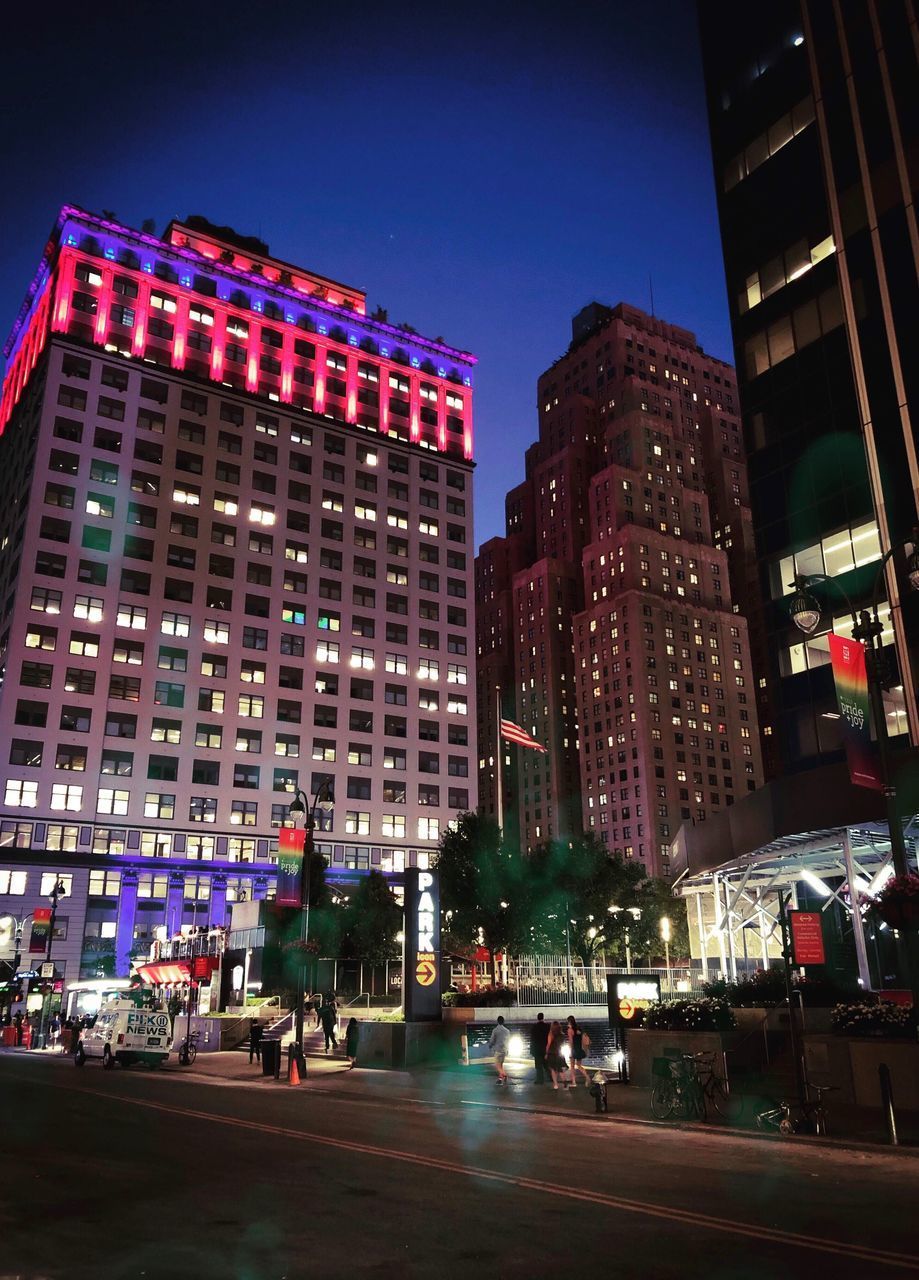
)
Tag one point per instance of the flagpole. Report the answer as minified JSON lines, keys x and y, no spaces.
{"x":498,"y":763}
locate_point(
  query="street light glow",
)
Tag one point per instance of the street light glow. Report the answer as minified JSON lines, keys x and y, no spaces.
{"x":818,"y":885}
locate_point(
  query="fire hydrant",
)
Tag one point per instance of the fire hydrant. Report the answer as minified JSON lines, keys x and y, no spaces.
{"x":598,"y":1093}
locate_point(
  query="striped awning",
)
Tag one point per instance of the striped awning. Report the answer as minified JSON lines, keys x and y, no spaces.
{"x":162,"y":975}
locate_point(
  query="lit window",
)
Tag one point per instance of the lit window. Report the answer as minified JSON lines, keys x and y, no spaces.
{"x":111,"y":801}
{"x":24,"y":795}
{"x":428,"y":828}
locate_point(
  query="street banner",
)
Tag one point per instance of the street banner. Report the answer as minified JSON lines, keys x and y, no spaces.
{"x":807,"y":937}
{"x":848,"y":657}
{"x":291,"y":844}
{"x":628,"y":995}
{"x":41,"y":930}
{"x":421,"y":963}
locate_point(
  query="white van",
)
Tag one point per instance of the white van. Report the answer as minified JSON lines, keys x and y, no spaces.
{"x":125,"y":1031}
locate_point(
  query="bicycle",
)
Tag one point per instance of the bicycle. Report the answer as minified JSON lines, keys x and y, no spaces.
{"x":188,"y":1050}
{"x":677,"y":1087}
{"x":811,"y":1114}
{"x":715,"y":1088}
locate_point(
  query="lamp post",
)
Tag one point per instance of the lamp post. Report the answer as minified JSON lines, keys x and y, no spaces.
{"x":300,"y":807}
{"x":867,"y":628}
{"x":665,"y":934}
{"x":59,"y":891}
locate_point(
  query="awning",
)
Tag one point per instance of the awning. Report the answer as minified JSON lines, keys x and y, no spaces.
{"x":161,"y":975}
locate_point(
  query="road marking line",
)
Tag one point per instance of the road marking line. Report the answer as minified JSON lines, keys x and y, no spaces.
{"x":685,"y":1217}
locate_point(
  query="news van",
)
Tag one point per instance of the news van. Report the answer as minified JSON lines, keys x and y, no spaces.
{"x":127,"y":1031}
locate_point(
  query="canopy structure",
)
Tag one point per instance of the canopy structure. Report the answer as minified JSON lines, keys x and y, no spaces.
{"x":165,"y":975}
{"x":841,"y":864}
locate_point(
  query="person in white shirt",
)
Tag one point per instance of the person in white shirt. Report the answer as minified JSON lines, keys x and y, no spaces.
{"x":498,"y":1042}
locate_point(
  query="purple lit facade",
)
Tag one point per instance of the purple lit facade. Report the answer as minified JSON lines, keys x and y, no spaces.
{"x":235,"y":558}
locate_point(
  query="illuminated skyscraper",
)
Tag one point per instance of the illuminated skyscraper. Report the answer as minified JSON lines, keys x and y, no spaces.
{"x":235,"y":521}
{"x":608,"y":616}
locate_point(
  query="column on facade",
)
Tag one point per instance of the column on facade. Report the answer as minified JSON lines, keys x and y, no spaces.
{"x":175,"y":902}
{"x":320,"y":380}
{"x":218,"y":343}
{"x":218,"y":913}
{"x":254,"y":355}
{"x":63,"y":292}
{"x":180,"y":334}
{"x":414,"y":407}
{"x":104,"y":307}
{"x":287,"y":365}
{"x":141,"y":316}
{"x":124,"y":929}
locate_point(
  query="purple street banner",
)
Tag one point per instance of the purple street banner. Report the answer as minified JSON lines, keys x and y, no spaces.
{"x":291,"y":843}
{"x":41,"y":929}
{"x":849,"y":672}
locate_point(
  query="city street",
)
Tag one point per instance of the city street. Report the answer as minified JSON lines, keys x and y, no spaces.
{"x":156,"y":1174}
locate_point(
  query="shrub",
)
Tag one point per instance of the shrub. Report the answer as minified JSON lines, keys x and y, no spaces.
{"x":766,"y":988}
{"x":874,"y":1017}
{"x":690,"y":1015}
{"x":483,"y":997}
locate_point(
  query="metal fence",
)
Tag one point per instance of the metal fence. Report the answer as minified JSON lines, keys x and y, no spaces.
{"x":551,"y":980}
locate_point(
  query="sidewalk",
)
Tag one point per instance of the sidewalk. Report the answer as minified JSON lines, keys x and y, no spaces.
{"x":475,"y":1086}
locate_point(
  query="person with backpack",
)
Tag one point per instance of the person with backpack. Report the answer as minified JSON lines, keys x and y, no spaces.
{"x":577,"y":1051}
{"x":328,"y":1016}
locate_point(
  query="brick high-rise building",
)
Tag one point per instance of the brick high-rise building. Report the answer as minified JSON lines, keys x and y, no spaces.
{"x":235,"y":526}
{"x":607,"y":616}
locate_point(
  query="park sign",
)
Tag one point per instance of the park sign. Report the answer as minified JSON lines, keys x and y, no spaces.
{"x":421,"y":966}
{"x":629,"y":995}
{"x":291,"y":844}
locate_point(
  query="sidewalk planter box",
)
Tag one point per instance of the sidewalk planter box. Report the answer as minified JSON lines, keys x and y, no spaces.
{"x":645,"y":1046}
{"x":851,"y":1063}
{"x":777,"y":1019}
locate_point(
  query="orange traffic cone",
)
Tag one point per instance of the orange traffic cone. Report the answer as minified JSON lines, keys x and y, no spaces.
{"x":293,"y":1076}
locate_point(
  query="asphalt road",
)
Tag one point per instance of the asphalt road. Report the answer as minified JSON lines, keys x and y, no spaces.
{"x":132,"y":1173}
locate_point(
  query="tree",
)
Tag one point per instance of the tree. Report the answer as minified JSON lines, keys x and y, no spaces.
{"x":372,"y":919}
{"x":576,"y":883}
{"x":656,"y":900}
{"x":486,"y":888}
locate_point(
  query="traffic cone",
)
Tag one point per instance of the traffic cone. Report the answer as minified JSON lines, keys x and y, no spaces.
{"x":294,"y":1074}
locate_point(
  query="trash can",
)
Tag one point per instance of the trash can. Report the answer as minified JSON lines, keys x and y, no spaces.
{"x":271,"y":1058}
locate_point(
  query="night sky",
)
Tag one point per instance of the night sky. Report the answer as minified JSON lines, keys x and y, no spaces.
{"x":483,"y":171}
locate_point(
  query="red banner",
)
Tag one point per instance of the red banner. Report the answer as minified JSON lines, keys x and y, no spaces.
{"x":807,"y":937}
{"x":848,"y":657}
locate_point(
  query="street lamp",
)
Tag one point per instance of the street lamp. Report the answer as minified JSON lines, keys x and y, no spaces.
{"x":59,"y":891}
{"x":665,"y":934}
{"x":867,"y":628}
{"x":300,"y":807}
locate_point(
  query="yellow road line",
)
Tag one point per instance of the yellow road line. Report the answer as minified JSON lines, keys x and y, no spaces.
{"x":669,"y":1213}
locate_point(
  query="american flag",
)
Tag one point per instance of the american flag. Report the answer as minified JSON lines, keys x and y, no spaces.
{"x":514,"y":733}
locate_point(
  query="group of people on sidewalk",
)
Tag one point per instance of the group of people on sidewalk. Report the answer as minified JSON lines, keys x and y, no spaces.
{"x":326,"y":1011}
{"x":548,"y":1042}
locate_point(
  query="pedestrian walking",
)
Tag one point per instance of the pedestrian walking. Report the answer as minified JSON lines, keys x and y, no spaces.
{"x":352,"y":1036}
{"x":256,"y":1032}
{"x":554,"y":1059}
{"x":498,"y":1042}
{"x":538,"y":1039}
{"x":576,"y":1051}
{"x":328,"y":1017}
{"x":17,"y":1022}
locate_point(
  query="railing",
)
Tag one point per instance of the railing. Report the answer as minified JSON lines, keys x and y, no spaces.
{"x":537,"y":980}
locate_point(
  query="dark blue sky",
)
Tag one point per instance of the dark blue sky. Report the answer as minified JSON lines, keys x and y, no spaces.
{"x":482,"y":171}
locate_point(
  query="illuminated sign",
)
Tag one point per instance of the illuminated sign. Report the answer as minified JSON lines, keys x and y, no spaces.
{"x":41,"y":931}
{"x":629,"y":994}
{"x":421,"y":975}
{"x":807,"y":937}
{"x":291,"y":849}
